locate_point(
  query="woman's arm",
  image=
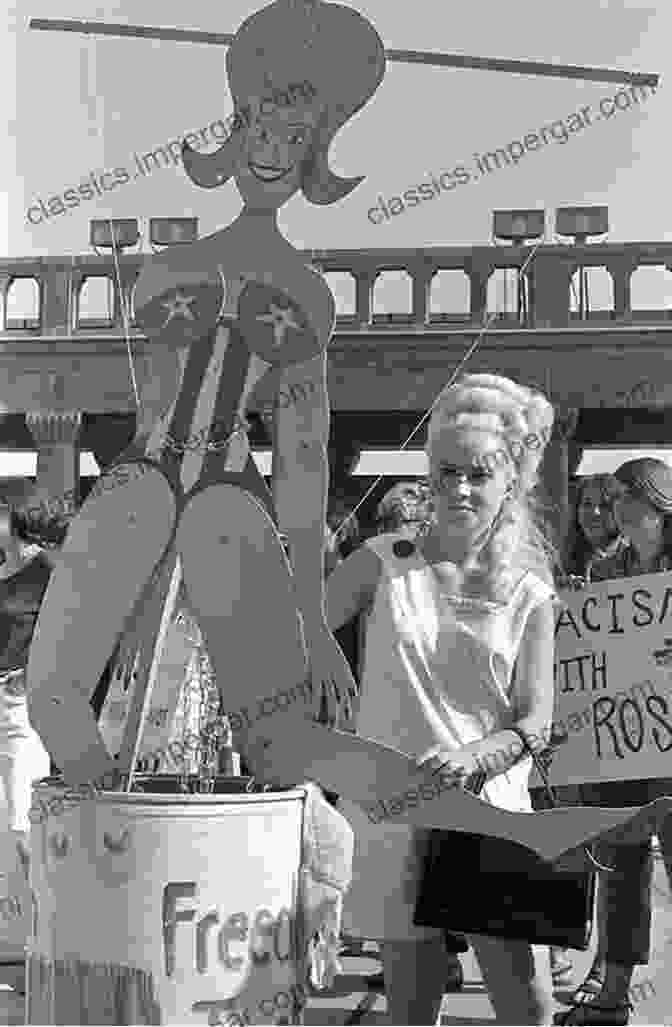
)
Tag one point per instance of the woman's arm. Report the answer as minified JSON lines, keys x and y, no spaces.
{"x":351,"y":586}
{"x":532,"y":698}
{"x":533,"y":692}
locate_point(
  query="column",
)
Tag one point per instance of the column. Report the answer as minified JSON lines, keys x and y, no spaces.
{"x":56,"y":437}
{"x":552,"y":276}
{"x":555,"y":471}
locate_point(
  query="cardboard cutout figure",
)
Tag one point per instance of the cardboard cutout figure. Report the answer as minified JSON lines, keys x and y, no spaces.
{"x":224,"y":314}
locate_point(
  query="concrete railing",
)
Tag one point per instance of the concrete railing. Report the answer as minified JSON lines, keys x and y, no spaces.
{"x":50,"y":305}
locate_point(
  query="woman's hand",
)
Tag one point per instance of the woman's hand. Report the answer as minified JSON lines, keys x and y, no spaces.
{"x":333,"y":685}
{"x":463,"y":767}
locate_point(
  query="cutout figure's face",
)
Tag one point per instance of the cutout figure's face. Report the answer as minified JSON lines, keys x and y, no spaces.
{"x":276,"y":138}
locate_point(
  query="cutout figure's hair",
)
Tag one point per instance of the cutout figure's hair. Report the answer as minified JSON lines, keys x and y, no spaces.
{"x":337,"y":56}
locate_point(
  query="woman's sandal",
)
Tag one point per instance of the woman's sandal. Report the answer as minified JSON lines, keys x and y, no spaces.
{"x":562,"y":973}
{"x":586,"y":1013}
{"x":591,"y":987}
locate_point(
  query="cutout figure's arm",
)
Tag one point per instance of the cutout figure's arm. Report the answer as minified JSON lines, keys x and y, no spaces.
{"x":295,"y":342}
{"x":300,"y":482}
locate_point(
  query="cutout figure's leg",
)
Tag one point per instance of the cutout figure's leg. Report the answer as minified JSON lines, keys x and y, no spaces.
{"x":112,"y":548}
{"x":388,"y":785}
{"x":238,"y":581}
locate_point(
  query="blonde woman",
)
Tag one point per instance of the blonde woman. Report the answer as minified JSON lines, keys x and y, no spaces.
{"x":452,"y":612}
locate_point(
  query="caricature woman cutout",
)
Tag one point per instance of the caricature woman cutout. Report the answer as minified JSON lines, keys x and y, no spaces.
{"x":226,"y":316}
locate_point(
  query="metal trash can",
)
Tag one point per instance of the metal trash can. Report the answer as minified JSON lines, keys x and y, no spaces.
{"x":153,"y":908}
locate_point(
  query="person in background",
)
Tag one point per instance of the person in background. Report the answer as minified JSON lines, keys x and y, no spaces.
{"x":595,"y":536}
{"x":406,"y":508}
{"x":25,"y":569}
{"x":643,"y":516}
{"x":480,"y":570}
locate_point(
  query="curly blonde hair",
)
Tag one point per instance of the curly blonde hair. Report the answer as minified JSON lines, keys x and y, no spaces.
{"x":518,"y":539}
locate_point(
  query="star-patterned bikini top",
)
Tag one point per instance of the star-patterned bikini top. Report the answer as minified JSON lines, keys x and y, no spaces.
{"x":184,"y":306}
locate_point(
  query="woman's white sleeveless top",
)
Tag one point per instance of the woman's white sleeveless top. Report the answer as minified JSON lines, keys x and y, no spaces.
{"x":437,"y":668}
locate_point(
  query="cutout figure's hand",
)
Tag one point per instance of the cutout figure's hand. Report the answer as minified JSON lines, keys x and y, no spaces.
{"x":333,"y":685}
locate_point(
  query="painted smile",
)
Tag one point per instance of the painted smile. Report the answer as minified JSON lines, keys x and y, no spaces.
{"x":267,"y":174}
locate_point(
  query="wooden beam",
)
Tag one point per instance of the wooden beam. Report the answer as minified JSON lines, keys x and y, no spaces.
{"x":438,"y":60}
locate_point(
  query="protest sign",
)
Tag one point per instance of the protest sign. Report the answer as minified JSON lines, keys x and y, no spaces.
{"x":613,"y":681}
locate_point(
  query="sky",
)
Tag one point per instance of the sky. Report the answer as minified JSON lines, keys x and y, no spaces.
{"x":76,"y":104}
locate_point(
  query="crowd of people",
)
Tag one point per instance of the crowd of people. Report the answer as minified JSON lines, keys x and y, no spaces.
{"x":453,"y":586}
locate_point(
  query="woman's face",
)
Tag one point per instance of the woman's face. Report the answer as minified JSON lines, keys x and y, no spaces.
{"x":596,"y":515}
{"x":637,"y":517}
{"x":470,"y":481}
{"x":272,"y":150}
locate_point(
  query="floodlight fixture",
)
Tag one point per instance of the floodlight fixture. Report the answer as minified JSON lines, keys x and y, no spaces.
{"x":114,"y":233}
{"x":172,"y":231}
{"x":580,"y":223}
{"x":518,"y":226}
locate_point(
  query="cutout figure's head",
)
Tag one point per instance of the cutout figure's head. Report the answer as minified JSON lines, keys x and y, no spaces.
{"x":298,"y":70}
